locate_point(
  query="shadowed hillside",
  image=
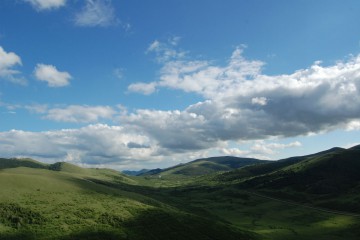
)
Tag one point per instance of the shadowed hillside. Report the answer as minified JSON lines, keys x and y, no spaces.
{"x":205,"y":166}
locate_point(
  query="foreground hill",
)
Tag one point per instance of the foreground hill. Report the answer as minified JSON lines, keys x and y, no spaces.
{"x":63,"y":201}
{"x":296,"y":198}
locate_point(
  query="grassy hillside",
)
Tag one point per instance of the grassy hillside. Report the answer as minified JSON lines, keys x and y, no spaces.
{"x":265,"y":167}
{"x":68,"y":203}
{"x":26,"y":162}
{"x":293,"y":198}
{"x":328,"y":179}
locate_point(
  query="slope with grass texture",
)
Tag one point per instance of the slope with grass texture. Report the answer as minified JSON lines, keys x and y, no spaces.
{"x":330,"y":179}
{"x":68,"y":203}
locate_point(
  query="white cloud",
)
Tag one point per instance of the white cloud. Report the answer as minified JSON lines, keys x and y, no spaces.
{"x":49,"y":74}
{"x":241,"y":103}
{"x":97,"y":13}
{"x":234,"y":152}
{"x":353,"y":125}
{"x":264,"y":148}
{"x":144,"y":88}
{"x":262,"y":101}
{"x":93,"y":144}
{"x":115,"y":146}
{"x":9,"y":60}
{"x":46,"y":4}
{"x":80,"y":114}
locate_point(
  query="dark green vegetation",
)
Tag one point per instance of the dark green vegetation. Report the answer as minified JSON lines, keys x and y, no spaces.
{"x":307,"y":197}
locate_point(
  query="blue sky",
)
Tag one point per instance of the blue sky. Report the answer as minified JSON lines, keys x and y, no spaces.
{"x":134,"y":84}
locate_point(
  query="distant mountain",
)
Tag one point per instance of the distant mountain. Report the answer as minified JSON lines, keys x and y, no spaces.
{"x":135,"y":173}
{"x":265,"y":167}
{"x":205,"y":166}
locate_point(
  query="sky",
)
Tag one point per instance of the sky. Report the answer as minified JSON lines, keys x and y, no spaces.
{"x":132,"y":84}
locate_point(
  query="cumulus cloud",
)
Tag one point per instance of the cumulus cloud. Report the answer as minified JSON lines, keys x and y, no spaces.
{"x":242,"y":103}
{"x":353,"y":125}
{"x":259,"y":100}
{"x":9,"y":60}
{"x":93,"y":144}
{"x":50,"y":74}
{"x":97,"y":13}
{"x":80,"y":114}
{"x":46,"y":4}
{"x":102,"y":145}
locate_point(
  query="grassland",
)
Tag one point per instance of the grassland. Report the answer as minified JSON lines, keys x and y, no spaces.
{"x":69,"y":204}
{"x":261,"y":201}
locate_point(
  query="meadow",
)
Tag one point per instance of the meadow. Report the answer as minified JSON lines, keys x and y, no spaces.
{"x":63,"y":201}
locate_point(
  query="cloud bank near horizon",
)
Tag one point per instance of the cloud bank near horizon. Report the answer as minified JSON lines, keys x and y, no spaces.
{"x":240,"y":104}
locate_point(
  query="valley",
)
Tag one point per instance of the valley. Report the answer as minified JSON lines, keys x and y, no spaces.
{"x":305,"y":197}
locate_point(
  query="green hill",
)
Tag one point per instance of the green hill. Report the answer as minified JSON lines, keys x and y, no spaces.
{"x":328,"y":179}
{"x":294,"y":198}
{"x":204,"y":166}
{"x":265,"y":167}
{"x":18,"y":162}
{"x":67,"y":167}
{"x":63,"y":201}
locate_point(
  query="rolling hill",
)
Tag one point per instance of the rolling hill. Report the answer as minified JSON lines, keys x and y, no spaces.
{"x":204,"y":166}
{"x":64,"y":201}
{"x":221,"y":198}
{"x":328,"y":179}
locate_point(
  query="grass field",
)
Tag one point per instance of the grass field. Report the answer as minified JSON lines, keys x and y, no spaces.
{"x":62,"y":201}
{"x":45,"y":204}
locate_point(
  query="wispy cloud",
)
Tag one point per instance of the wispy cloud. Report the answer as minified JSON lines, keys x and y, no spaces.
{"x":46,"y":4}
{"x":93,"y":144}
{"x":80,"y":113}
{"x":97,"y":13}
{"x":166,"y":51}
{"x":144,"y":88}
{"x":118,"y":73}
{"x":50,"y":74}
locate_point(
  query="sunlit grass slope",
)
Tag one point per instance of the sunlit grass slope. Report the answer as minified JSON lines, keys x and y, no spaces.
{"x":63,"y":201}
